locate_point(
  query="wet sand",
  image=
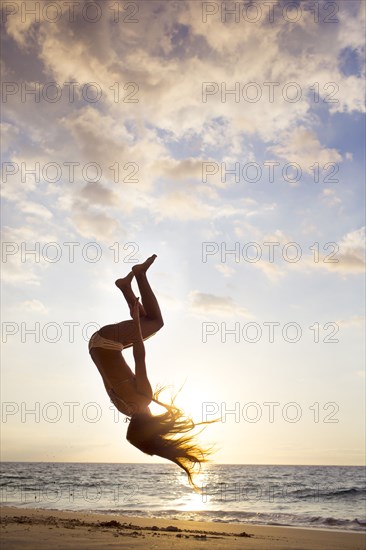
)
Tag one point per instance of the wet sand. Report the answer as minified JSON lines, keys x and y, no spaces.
{"x":52,"y":529}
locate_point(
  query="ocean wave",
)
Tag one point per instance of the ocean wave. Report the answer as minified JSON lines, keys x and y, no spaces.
{"x":337,"y":493}
{"x":253,"y":518}
{"x":298,"y":496}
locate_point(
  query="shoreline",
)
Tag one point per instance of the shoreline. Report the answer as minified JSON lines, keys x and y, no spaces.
{"x":135,"y":515}
{"x":29,"y":528}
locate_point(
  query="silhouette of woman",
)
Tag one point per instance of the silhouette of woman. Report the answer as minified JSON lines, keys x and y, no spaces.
{"x":167,"y":434}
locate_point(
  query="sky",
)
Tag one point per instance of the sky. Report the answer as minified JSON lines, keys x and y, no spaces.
{"x":231,"y":144}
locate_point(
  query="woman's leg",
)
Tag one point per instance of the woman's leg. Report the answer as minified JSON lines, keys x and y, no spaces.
{"x":124,"y":285}
{"x":148,"y":298}
{"x":151,"y":321}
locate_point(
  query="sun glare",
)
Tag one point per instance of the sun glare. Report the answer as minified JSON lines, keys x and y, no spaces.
{"x":191,"y":400}
{"x":196,"y":501}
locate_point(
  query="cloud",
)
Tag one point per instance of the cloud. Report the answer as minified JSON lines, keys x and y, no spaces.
{"x":225,"y":270}
{"x":209,"y":304}
{"x":95,"y":224}
{"x":179,"y":205}
{"x":330,"y":197}
{"x":301,"y":145}
{"x":14,"y":272}
{"x":271,"y":270}
{"x":35,"y":209}
{"x":351,"y":252}
{"x":22,"y":249}
{"x":185,"y":169}
{"x":346,"y":257}
{"x":9,"y":135}
{"x":192,"y":203}
{"x":168,"y":55}
{"x":18,"y":27}
{"x":98,"y":135}
{"x":33,"y":306}
{"x":152,"y":52}
{"x":355,"y":321}
{"x":96,"y":193}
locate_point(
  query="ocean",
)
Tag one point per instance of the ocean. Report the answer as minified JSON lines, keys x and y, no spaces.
{"x":328,"y":497}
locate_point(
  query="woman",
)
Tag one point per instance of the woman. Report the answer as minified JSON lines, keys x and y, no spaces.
{"x":131,"y":393}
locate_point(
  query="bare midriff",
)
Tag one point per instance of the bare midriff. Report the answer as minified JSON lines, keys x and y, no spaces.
{"x":118,"y":376}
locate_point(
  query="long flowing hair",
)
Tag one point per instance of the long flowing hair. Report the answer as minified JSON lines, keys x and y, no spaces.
{"x":169,"y":435}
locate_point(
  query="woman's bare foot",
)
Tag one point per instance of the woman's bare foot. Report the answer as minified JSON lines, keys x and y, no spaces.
{"x":142,"y":268}
{"x":125,"y":282}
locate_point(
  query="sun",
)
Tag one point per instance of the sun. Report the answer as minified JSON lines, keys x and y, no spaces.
{"x":192,"y":401}
{"x":193,"y":398}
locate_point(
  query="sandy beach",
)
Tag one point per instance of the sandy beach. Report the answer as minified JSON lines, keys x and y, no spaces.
{"x":45,"y":529}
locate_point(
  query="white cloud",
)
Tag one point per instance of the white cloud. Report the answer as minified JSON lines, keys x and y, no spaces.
{"x":352,"y":252}
{"x":179,"y":205}
{"x":261,"y":52}
{"x":14,"y":272}
{"x":355,"y":321}
{"x":209,"y":304}
{"x":346,"y":257}
{"x":22,"y":253}
{"x":330,"y":197}
{"x":192,"y":203}
{"x":33,"y":306}
{"x":9,"y":135}
{"x":19,"y":27}
{"x":225,"y":270}
{"x":271,"y":270}
{"x":35,"y":209}
{"x":95,"y":224}
{"x":301,"y":145}
{"x":169,"y":71}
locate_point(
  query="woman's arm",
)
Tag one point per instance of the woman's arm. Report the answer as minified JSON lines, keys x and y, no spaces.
{"x":142,"y":382}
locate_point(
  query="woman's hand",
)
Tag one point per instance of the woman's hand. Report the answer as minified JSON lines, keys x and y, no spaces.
{"x":135,"y":311}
